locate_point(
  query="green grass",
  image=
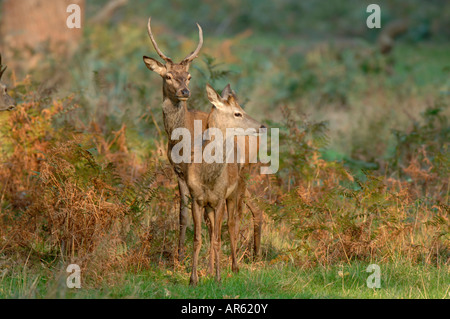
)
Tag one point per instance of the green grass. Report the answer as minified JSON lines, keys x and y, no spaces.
{"x":264,"y":282}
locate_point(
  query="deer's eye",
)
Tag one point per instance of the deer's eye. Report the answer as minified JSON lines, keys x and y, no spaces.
{"x":237,"y":114}
{"x":189,"y":78}
{"x":168,"y":77}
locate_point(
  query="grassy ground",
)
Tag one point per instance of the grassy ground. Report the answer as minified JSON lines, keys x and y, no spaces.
{"x":253,"y":281}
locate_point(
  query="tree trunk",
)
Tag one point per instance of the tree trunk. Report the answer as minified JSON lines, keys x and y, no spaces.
{"x":28,"y":26}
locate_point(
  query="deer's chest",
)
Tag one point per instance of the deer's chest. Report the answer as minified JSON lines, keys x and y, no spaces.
{"x":206,"y":186}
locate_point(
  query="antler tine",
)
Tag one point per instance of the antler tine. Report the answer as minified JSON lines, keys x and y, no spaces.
{"x":162,"y":55}
{"x":194,"y":54}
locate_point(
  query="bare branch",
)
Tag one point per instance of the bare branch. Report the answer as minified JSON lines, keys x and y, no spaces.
{"x":2,"y":70}
{"x":108,"y":11}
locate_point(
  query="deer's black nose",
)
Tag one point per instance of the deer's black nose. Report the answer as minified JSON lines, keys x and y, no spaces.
{"x":185,"y":92}
{"x":11,"y":107}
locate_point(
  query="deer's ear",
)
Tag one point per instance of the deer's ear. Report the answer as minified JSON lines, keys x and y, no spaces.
{"x":155,"y":66}
{"x":232,"y":99}
{"x":213,"y":97}
{"x":226,"y":91}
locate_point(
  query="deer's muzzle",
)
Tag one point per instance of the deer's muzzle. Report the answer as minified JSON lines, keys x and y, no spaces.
{"x":183,"y":94}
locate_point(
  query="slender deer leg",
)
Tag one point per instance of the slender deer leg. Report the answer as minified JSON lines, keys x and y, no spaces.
{"x":197,"y":218}
{"x":242,"y":190}
{"x":209,"y":216}
{"x":184,"y":214}
{"x":231,"y":208}
{"x":219,"y":230}
{"x":217,"y":233}
{"x":239,"y":213}
{"x":257,"y":226}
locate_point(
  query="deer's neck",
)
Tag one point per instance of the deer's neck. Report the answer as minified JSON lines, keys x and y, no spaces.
{"x":215,"y":169}
{"x":174,"y":114}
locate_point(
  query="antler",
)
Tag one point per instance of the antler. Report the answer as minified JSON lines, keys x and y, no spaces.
{"x":162,"y":55}
{"x":1,"y":66}
{"x":187,"y":59}
{"x":194,"y":54}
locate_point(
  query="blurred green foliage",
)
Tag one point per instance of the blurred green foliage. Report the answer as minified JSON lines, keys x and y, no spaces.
{"x":308,"y":18}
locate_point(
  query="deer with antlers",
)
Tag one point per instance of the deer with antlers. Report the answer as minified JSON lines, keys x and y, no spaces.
{"x":176,"y":79}
{"x":6,"y":101}
{"x":176,"y":92}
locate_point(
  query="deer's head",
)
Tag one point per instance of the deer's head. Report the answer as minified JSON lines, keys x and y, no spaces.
{"x":175,"y":76}
{"x":227,"y":112}
{"x":6,"y":101}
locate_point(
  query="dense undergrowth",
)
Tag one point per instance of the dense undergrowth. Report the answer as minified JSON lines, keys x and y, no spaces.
{"x":70,"y":195}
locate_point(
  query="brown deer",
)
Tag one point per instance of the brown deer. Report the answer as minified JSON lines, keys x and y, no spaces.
{"x":213,"y":184}
{"x":176,"y":79}
{"x":6,"y":101}
{"x":244,"y":197}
